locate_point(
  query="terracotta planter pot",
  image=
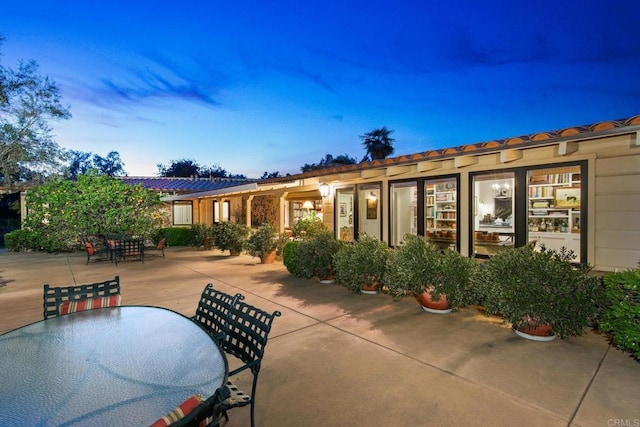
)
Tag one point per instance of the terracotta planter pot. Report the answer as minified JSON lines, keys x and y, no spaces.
{"x":268,"y":258}
{"x":371,"y":289}
{"x":537,"y":333}
{"x":439,"y":306}
{"x":327,"y":280}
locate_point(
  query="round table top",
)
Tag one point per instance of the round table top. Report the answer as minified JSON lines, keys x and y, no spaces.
{"x":127,"y":365}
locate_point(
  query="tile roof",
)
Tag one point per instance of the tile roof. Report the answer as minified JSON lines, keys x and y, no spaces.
{"x":478,"y":148}
{"x":183,"y":185}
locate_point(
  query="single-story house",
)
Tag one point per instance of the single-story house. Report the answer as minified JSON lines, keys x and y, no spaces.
{"x":577,"y":187}
{"x":181,"y":213}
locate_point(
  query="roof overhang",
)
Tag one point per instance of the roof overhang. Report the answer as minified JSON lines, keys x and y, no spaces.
{"x":237,"y":189}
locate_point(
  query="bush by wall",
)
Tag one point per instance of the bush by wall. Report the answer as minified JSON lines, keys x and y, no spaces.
{"x":18,"y":241}
{"x":178,"y":236}
{"x":621,"y":314}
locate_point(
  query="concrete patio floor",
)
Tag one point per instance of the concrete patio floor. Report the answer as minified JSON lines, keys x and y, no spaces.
{"x":339,"y":359}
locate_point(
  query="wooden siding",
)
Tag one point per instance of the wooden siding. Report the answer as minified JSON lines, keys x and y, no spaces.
{"x":617,"y":210}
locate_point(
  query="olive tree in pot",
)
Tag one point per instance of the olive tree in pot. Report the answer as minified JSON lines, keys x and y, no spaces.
{"x":230,"y":236}
{"x":440,"y":281}
{"x":265,"y":242}
{"x":315,"y":255}
{"x":361,"y":265}
{"x":540,"y":293}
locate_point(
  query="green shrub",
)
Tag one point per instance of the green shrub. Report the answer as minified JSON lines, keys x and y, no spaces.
{"x":200,"y":233}
{"x":264,"y":240}
{"x":18,"y":240}
{"x":363,"y":262}
{"x":621,"y":315}
{"x":178,"y":236}
{"x":290,"y":258}
{"x":230,"y":236}
{"x":420,"y":266}
{"x":315,"y":255}
{"x":531,"y":288}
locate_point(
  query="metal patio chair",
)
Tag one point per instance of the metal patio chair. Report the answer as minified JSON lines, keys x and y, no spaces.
{"x":59,"y":300}
{"x":195,"y":411}
{"x":94,"y":254}
{"x":157,"y":250}
{"x":246,"y":338}
{"x":213,"y":311}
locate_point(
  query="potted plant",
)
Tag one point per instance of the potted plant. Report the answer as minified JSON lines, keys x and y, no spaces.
{"x":315,"y":255}
{"x":230,"y":236}
{"x":541,"y":293}
{"x":264,"y":243}
{"x":440,"y":280}
{"x":361,"y":265}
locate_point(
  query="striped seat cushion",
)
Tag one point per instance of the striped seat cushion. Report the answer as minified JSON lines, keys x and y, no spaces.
{"x":180,"y":412}
{"x":90,"y":303}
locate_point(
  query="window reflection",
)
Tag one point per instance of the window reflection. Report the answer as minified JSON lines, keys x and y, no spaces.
{"x":493,"y":225}
{"x":441,"y":213}
{"x":404,"y":210}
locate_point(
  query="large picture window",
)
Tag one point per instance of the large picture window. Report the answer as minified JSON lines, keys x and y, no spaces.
{"x":554,"y":206}
{"x":493,"y":219}
{"x":182,"y":213}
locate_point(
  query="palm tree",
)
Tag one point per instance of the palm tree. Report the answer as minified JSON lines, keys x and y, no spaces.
{"x":378,"y":143}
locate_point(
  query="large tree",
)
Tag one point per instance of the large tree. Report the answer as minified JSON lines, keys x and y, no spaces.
{"x":81,"y":162}
{"x":28,"y":101}
{"x":186,"y":168}
{"x":62,"y":211}
{"x":378,"y":143}
{"x":328,"y":162}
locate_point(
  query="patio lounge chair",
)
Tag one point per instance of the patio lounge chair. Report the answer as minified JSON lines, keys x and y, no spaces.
{"x":68,"y":299}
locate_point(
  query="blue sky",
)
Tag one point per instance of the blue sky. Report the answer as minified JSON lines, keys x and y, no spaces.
{"x":269,"y":86}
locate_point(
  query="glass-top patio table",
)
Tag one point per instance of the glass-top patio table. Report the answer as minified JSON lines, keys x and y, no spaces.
{"x":127,"y":365}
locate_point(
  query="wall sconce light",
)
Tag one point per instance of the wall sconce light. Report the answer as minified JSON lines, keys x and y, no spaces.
{"x":372,"y":196}
{"x":324,"y":190}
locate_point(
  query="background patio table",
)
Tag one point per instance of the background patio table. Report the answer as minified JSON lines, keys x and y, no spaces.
{"x":128,"y":365}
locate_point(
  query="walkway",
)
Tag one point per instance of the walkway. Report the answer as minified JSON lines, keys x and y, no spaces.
{"x":339,"y":359}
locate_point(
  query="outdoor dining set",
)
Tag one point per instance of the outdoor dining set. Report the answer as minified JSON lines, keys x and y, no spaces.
{"x":117,"y":248}
{"x":94,"y":361}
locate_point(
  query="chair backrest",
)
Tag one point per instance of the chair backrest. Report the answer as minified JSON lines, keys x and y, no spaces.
{"x":161,"y":243}
{"x":247,"y":334}
{"x":54,"y":296}
{"x":213,"y":311}
{"x":90,"y":249}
